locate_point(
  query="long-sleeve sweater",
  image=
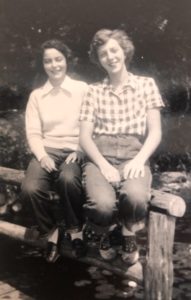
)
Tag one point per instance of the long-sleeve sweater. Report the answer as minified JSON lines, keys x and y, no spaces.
{"x":52,"y":116}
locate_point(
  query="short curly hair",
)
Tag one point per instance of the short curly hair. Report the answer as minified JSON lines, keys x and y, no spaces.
{"x":103,"y":35}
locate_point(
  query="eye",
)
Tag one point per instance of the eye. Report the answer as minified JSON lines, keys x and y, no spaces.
{"x":102,"y":54}
{"x":46,"y":61}
{"x":59,"y":58}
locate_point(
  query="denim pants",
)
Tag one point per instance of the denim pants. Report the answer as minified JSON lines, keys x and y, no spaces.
{"x":107,"y":203}
{"x":67,"y":182}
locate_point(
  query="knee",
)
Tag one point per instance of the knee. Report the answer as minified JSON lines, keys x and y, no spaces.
{"x":103,"y":206}
{"x":106,"y":206}
{"x":100,"y":213}
{"x":69,"y":176}
{"x":134,"y":204}
{"x":28,"y":189}
{"x":136,"y":197}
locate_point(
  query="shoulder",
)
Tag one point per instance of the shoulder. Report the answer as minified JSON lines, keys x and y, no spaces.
{"x":145,"y":84}
{"x":36,"y":94}
{"x":37,"y":91}
{"x":144,"y":80}
{"x":96,"y":86}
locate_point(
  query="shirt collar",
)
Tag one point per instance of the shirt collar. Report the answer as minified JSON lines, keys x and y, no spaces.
{"x":67,"y":85}
{"x":129,"y":82}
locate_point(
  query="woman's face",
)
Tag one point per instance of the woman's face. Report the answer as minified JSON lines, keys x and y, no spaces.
{"x":111,"y":57}
{"x":55,"y":65}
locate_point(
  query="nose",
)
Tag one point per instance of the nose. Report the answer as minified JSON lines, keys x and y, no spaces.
{"x":110,"y":55}
{"x":54,"y":63}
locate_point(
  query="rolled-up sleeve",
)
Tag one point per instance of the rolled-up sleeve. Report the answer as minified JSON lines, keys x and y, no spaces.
{"x":153,"y":97}
{"x":87,"y":112}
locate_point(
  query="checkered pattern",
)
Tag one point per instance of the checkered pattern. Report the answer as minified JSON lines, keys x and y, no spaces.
{"x":123,"y":112}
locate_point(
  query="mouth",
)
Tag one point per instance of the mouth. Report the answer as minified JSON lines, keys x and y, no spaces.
{"x":56,"y":72}
{"x":113,"y":64}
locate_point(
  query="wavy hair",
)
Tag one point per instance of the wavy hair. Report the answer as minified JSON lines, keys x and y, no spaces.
{"x":103,"y":35}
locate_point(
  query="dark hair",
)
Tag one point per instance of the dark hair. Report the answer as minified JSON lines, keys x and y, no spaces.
{"x":41,"y":76}
{"x":103,"y":35}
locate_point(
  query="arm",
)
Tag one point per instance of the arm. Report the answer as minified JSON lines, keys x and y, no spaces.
{"x":35,"y":136}
{"x":87,"y":143}
{"x":34,"y":128}
{"x":135,"y":167}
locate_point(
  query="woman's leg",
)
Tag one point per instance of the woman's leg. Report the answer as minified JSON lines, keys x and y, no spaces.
{"x":134,"y":195}
{"x":100,"y":206}
{"x":69,"y":187}
{"x":100,"y":209}
{"x":133,"y":203}
{"x":35,"y":188}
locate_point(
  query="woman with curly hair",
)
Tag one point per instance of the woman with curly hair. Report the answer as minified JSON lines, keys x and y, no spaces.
{"x":120,"y":129}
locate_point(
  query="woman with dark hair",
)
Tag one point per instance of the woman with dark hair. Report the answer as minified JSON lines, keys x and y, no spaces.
{"x":52,"y":129}
{"x":41,"y":75}
{"x":120,"y":129}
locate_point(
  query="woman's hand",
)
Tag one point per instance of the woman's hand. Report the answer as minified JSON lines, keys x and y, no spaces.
{"x":110,"y":173}
{"x":133,"y":169}
{"x":72,"y":157}
{"x":48,"y":164}
{"x":75,"y":156}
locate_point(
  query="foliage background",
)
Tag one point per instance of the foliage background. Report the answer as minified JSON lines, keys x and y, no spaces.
{"x":160,"y":30}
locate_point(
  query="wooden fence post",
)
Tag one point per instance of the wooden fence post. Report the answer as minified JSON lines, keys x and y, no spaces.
{"x":158,"y":279}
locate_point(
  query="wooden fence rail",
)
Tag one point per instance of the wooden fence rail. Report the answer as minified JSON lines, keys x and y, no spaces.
{"x":157,"y":275}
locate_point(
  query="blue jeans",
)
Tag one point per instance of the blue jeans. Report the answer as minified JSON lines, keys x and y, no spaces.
{"x":107,"y":203}
{"x":67,"y":182}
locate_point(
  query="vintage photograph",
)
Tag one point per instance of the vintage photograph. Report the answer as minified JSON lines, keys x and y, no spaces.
{"x":95,"y":149}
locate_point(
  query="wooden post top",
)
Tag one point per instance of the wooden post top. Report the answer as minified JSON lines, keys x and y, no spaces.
{"x":168,"y":203}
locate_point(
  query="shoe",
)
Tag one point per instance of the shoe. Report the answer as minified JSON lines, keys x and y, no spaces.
{"x":105,"y":249}
{"x":130,"y":253}
{"x":116,"y":236}
{"x":90,"y":237}
{"x":79,"y":247}
{"x":54,"y":241}
{"x":64,"y":238}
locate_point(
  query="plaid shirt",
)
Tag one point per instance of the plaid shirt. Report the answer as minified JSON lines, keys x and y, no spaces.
{"x":122,"y":112}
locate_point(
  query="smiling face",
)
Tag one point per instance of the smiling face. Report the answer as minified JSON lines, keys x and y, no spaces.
{"x":111,"y":57}
{"x":55,"y":65}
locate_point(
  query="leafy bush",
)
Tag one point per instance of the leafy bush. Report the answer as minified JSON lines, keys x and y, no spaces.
{"x":14,"y":151}
{"x":173,"y":155}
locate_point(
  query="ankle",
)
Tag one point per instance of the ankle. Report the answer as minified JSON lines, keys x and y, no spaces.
{"x":76,"y":235}
{"x":127,"y":232}
{"x":53,"y":236}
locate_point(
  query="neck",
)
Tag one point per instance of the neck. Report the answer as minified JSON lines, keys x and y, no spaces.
{"x":117,"y":79}
{"x":56,"y":83}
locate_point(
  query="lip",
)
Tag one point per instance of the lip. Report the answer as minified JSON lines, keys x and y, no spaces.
{"x":113,"y":62}
{"x":57,"y":72}
{"x":113,"y":65}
